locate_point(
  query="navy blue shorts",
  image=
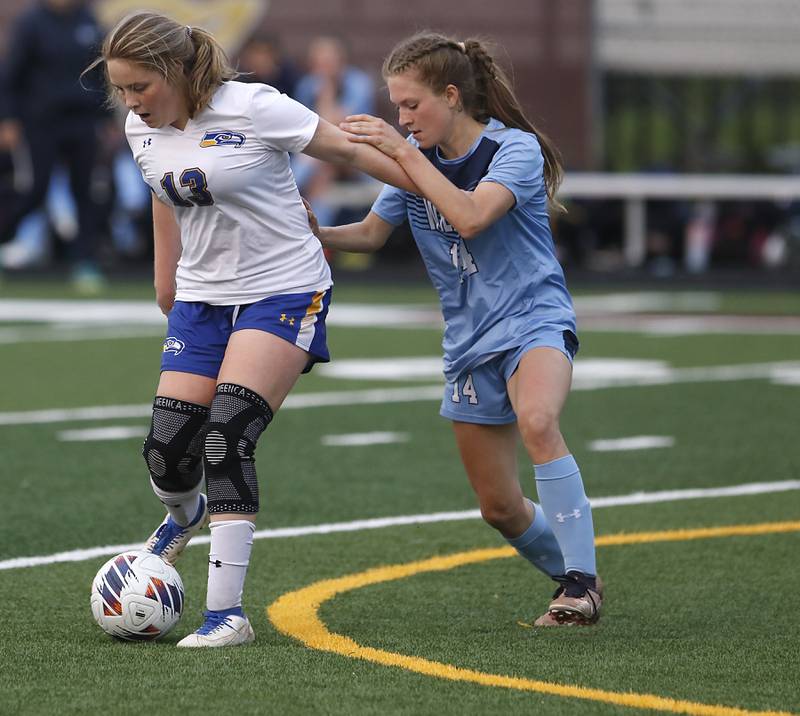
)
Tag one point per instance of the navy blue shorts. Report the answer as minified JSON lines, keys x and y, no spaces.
{"x":198,"y":333}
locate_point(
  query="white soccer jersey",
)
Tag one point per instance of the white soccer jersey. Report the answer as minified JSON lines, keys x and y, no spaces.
{"x":244,"y":230}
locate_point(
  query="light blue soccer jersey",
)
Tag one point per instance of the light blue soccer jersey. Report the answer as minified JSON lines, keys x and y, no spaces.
{"x":504,"y":284}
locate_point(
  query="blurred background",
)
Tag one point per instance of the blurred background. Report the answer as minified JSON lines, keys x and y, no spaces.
{"x":678,"y":122}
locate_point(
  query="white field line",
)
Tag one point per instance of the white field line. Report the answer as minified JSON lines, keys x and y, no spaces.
{"x":359,"y":439}
{"x":146,"y":313}
{"x":299,"y":400}
{"x":112,"y":432}
{"x":783,"y":372}
{"x":649,"y":325}
{"x":74,"y":320}
{"x":671,"y":325}
{"x":68,"y":332}
{"x":116,"y":312}
{"x":637,"y":498}
{"x":636,"y":442}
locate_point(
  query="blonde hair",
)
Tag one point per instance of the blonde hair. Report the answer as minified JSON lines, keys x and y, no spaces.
{"x":189,"y":58}
{"x":484,"y":88}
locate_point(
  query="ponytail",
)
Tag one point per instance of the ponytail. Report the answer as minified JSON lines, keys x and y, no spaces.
{"x":189,"y":58}
{"x":502,"y":103}
{"x":484,"y":88}
{"x":209,"y":69}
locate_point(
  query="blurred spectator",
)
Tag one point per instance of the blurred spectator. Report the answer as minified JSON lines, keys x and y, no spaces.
{"x":333,"y":89}
{"x":262,"y":60}
{"x":50,"y":116}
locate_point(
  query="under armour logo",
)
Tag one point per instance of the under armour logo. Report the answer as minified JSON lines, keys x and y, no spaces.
{"x":283,"y":319}
{"x":576,"y":513}
{"x":216,"y":562}
{"x":147,"y":142}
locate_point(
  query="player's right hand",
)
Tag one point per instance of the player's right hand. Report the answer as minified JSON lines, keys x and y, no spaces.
{"x":165,"y":299}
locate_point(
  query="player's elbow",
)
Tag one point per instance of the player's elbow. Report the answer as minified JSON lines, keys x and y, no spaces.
{"x":469,"y":228}
{"x":375,"y":241}
{"x":470,"y":222}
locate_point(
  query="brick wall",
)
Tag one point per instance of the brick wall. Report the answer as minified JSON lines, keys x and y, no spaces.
{"x":547,"y":44}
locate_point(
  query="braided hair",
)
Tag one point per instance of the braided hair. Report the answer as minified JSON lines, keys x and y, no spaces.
{"x":484,"y":88}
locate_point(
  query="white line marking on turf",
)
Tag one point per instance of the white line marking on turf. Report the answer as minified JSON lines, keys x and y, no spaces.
{"x":411,"y":368}
{"x":115,"y":313}
{"x":636,"y":498}
{"x":71,"y":332}
{"x":298,"y":400}
{"x":112,"y":432}
{"x":358,"y":439}
{"x":637,"y":442}
{"x":71,"y":320}
{"x":590,"y":374}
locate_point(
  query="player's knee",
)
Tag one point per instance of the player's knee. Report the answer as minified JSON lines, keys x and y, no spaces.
{"x":173,"y":447}
{"x":538,"y":426}
{"x":237,"y":419}
{"x":502,"y":514}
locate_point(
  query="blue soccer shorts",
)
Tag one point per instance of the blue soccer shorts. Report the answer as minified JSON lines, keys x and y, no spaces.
{"x":480,"y":394}
{"x":198,"y":333}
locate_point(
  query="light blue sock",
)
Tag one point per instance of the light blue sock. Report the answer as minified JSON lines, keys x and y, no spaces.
{"x":568,"y":512}
{"x":539,"y":546}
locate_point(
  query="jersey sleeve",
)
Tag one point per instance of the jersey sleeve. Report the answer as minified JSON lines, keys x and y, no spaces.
{"x":391,"y":205}
{"x":280,"y":122}
{"x":518,"y":166}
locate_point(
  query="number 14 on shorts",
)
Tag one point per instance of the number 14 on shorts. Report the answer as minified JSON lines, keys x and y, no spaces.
{"x":467,"y":390}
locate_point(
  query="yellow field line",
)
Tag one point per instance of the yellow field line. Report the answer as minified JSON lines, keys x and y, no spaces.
{"x":296,"y":615}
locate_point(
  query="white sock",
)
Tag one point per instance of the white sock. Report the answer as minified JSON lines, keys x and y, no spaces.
{"x":182,"y":506}
{"x":228,"y":558}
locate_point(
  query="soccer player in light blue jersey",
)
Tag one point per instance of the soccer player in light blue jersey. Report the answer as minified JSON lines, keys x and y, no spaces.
{"x":487,"y":176}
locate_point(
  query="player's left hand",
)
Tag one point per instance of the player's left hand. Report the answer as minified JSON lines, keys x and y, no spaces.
{"x":366,"y":129}
{"x":313,"y":224}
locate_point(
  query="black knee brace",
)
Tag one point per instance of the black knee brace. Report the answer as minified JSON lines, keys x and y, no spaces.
{"x":173,"y":447}
{"x":238,"y":417}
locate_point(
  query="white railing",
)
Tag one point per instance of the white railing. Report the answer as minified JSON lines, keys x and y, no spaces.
{"x":634,"y":190}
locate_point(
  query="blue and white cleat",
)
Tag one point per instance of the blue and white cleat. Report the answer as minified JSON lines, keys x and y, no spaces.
{"x":229,"y":627}
{"x":170,"y":539}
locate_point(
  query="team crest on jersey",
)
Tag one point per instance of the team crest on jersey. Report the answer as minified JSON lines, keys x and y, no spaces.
{"x":174,"y":345}
{"x":220,"y":137}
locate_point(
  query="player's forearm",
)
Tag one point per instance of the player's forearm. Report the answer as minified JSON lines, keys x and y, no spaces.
{"x":457,"y":206}
{"x":375,"y":163}
{"x":350,"y":237}
{"x":167,"y":253}
{"x":331,"y":144}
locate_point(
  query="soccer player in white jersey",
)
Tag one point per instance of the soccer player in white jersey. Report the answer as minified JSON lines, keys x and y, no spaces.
{"x":239,"y":274}
{"x":486,"y":176}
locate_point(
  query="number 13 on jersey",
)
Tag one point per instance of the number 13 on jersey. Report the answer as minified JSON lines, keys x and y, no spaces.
{"x":195,"y":179}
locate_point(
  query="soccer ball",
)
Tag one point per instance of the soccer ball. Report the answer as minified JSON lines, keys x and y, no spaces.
{"x":137,"y":596}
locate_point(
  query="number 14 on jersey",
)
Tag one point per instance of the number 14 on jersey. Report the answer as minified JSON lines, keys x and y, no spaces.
{"x":462,"y":259}
{"x":467,"y":390}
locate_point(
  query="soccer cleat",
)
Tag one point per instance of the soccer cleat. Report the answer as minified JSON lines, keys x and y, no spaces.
{"x":229,"y":627}
{"x":170,"y":539}
{"x":576,"y":602}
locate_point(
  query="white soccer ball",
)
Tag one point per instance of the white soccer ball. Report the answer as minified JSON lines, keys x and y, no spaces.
{"x":137,"y":596}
